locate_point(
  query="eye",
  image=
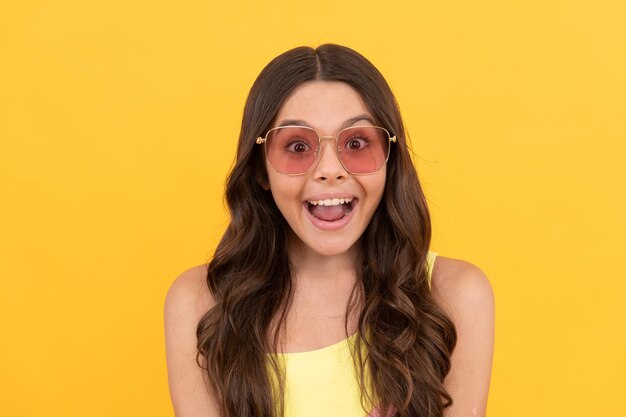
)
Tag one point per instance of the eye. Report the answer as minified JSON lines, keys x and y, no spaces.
{"x":297,"y":146}
{"x":356,"y":143}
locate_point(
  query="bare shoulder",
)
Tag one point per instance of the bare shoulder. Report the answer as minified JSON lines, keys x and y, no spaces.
{"x":465,"y":293}
{"x":187,"y":300}
{"x":189,"y":294}
{"x":459,"y":284}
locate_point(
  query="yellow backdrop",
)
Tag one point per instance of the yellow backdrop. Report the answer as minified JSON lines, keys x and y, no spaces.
{"x":118,"y":122}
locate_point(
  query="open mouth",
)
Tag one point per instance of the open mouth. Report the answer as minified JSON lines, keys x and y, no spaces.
{"x":331,"y":210}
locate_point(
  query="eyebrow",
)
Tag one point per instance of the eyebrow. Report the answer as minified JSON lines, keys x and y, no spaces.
{"x":347,"y":123}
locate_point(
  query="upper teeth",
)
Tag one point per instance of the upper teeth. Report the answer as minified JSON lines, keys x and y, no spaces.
{"x":331,"y":202}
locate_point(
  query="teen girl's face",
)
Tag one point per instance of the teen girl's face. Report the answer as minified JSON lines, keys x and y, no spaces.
{"x":326,"y":106}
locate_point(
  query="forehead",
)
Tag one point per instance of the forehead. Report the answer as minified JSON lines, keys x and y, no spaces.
{"x":324,"y":105}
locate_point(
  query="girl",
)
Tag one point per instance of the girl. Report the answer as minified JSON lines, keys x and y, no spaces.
{"x":322,"y":298}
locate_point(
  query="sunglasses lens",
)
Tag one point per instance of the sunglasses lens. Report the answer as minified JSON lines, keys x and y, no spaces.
{"x":291,"y":150}
{"x":361,"y":149}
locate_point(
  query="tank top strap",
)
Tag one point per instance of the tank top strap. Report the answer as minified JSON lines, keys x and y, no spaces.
{"x":430,"y":260}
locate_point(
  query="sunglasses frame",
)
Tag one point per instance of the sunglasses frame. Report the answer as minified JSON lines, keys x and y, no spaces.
{"x":263,"y":140}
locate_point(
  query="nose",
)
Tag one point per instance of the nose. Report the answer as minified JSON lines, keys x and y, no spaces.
{"x":328,"y":165}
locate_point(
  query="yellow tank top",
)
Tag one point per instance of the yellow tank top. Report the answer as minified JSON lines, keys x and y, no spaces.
{"x":323,"y":382}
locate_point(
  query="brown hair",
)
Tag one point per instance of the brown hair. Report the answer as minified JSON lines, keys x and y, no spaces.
{"x":407,"y":338}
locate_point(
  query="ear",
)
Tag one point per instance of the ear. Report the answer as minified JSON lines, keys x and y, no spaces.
{"x":265,"y":185}
{"x":260,"y":174}
{"x":262,"y":180}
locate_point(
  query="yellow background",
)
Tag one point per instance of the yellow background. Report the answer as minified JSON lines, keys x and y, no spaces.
{"x":118,"y":122}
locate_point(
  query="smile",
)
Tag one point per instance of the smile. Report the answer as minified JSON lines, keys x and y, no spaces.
{"x":330,"y":214}
{"x":331,"y":202}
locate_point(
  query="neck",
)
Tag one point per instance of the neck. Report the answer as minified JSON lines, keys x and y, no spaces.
{"x":325,"y":282}
{"x":309,"y":263}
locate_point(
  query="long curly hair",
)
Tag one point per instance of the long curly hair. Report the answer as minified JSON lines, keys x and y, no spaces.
{"x":405,"y":340}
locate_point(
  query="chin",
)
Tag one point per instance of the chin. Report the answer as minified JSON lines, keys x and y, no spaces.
{"x":330,"y":249}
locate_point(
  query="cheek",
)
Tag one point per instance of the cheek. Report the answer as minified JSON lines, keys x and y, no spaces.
{"x":374,"y":188}
{"x":377,"y":188}
{"x":286,"y":193}
{"x":377,"y":193}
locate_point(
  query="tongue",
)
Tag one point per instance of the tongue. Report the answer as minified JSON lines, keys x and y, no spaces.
{"x":328,"y":213}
